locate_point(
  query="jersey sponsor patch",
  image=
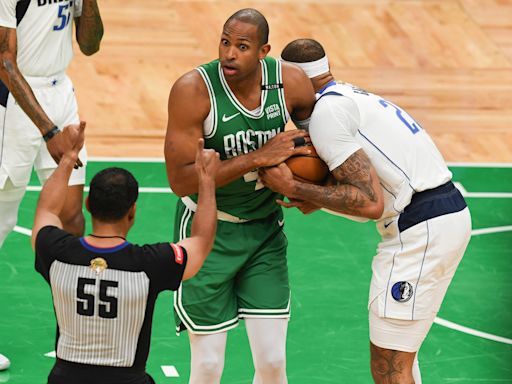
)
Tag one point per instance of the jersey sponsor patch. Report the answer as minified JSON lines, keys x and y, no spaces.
{"x":178,"y":254}
{"x":402,"y":291}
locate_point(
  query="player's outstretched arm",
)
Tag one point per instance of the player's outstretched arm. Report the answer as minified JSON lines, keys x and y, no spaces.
{"x":204,"y":224}
{"x":188,"y":107}
{"x":357,"y":193}
{"x":53,"y":195}
{"x":20,"y":89}
{"x":89,"y":28}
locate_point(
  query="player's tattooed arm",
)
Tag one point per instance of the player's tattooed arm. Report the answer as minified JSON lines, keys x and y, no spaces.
{"x":16,"y":83}
{"x":357,"y":171}
{"x":357,"y":191}
{"x":89,"y":28}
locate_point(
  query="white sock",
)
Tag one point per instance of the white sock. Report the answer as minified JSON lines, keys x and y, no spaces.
{"x":267,"y":338}
{"x":207,"y":357}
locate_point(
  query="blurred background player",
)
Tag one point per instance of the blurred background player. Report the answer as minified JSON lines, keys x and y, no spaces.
{"x":37,"y":99}
{"x":386,"y":168}
{"x":104,"y":288}
{"x":240,"y":104}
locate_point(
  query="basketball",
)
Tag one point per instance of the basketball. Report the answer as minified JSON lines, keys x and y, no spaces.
{"x":308,"y":168}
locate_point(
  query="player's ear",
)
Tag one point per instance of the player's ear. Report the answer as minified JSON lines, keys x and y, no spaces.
{"x":264,"y":50}
{"x":131,"y":212}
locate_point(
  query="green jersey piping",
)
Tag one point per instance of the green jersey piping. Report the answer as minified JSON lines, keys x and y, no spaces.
{"x":235,"y":101}
{"x":213,"y":102}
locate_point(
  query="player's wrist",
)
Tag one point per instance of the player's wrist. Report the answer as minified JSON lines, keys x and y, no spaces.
{"x":49,"y":134}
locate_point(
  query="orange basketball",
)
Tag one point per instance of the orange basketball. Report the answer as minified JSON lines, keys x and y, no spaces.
{"x":308,"y":168}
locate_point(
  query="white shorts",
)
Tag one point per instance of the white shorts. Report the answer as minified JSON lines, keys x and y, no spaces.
{"x":21,"y":144}
{"x":412,"y":271}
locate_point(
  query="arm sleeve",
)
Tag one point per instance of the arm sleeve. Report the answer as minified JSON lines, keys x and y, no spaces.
{"x":165,"y":265}
{"x":333,"y":127}
{"x":8,"y":13}
{"x":50,"y":242}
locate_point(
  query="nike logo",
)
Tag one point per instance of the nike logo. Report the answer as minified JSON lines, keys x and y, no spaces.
{"x":387,"y":224}
{"x":225,"y":118}
{"x":280,"y":222}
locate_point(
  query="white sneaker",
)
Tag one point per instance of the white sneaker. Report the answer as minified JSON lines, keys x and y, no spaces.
{"x":4,"y":362}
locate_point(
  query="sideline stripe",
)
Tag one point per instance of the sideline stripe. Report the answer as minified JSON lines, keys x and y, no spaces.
{"x":485,"y":195}
{"x":480,"y":165}
{"x":23,"y":231}
{"x":470,"y":331}
{"x":37,"y":188}
{"x":485,"y":231}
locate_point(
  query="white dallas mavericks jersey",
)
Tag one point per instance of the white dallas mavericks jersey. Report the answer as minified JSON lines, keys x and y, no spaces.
{"x":44,"y":31}
{"x":347,"y":118}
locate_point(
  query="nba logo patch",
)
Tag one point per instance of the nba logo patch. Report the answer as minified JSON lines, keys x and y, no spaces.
{"x":402,"y":291}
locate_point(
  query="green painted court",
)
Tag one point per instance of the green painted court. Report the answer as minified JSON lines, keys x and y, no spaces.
{"x":329,"y":260}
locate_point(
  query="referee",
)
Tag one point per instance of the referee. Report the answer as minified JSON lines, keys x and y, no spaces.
{"x":104,"y":288}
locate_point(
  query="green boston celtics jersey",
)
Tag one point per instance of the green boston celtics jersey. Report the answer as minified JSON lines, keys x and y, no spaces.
{"x":232,"y":130}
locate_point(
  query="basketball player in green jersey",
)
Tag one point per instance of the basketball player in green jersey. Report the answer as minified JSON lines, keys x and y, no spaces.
{"x":240,"y":104}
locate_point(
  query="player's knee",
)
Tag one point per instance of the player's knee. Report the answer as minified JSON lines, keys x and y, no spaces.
{"x":272,"y":365}
{"x":210,"y":368}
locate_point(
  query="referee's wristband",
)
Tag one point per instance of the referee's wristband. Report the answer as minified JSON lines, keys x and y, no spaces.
{"x":52,"y":132}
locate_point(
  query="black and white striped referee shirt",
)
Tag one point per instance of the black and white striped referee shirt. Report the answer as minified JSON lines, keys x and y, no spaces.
{"x":104,"y":300}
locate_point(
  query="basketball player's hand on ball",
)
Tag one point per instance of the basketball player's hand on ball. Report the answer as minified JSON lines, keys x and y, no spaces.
{"x":281,"y":147}
{"x":207,"y":162}
{"x":279,"y":179}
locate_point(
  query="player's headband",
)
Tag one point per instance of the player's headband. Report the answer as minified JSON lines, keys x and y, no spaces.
{"x":313,"y":68}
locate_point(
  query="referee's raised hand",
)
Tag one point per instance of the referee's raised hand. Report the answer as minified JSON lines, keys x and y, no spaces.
{"x":207,"y":161}
{"x":73,"y":139}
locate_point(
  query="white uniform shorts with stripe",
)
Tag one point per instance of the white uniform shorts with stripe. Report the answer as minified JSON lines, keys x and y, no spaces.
{"x":415,"y":263}
{"x":21,"y":144}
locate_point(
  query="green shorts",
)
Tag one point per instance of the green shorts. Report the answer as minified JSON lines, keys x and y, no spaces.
{"x":245,"y":275}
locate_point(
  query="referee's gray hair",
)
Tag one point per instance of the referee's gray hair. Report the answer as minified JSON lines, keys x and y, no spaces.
{"x":303,"y":51}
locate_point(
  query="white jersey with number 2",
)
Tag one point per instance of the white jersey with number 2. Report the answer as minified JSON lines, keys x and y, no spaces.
{"x":403,"y":154}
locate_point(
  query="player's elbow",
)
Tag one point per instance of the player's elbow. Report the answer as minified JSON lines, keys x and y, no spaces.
{"x":375,"y":210}
{"x":178,"y":189}
{"x":89,"y":49}
{"x":8,"y":67}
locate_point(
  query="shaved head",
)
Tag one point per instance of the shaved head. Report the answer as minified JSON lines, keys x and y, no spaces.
{"x":303,"y":51}
{"x":254,"y":17}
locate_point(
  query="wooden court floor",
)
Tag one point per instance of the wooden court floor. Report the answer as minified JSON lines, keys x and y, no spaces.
{"x":447,"y":62}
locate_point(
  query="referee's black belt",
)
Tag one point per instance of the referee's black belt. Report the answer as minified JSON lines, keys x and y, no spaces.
{"x":431,"y":203}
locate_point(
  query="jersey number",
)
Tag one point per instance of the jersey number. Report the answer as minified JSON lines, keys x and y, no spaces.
{"x":403,"y":116}
{"x":107,"y":308}
{"x":64,"y":16}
